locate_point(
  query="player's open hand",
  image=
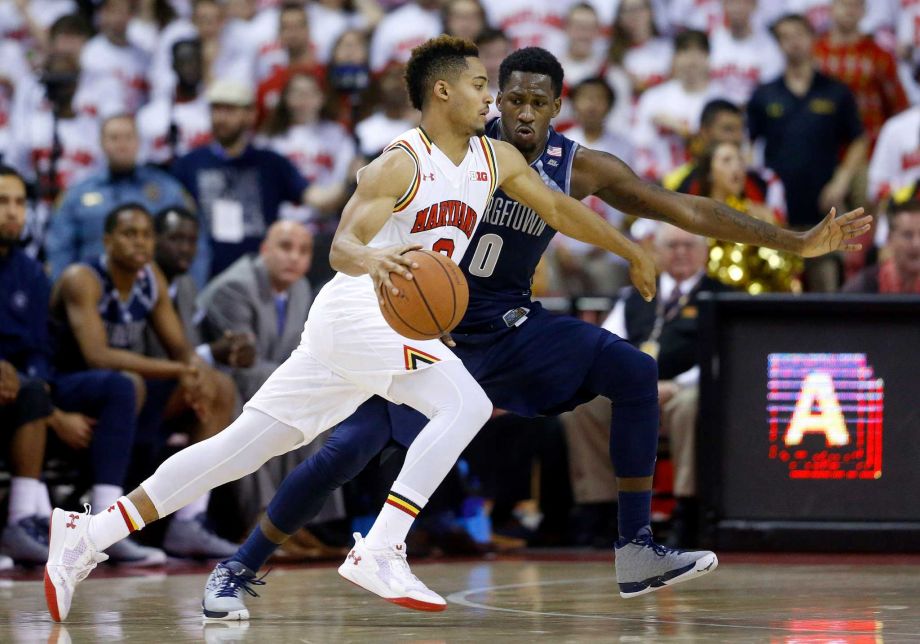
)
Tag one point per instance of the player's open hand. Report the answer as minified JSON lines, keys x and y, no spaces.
{"x":383,"y":261}
{"x":834,"y":233}
{"x":642,"y":273}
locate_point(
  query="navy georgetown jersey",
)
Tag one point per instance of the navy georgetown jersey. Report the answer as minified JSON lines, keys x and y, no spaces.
{"x":502,"y":256}
{"x":125,"y":320}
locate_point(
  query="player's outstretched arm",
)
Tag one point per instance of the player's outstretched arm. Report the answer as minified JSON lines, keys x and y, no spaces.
{"x":610,"y":179}
{"x":380,"y":185}
{"x":571,"y":217}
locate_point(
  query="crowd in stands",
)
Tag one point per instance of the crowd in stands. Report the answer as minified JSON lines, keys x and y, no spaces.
{"x":172,"y":172}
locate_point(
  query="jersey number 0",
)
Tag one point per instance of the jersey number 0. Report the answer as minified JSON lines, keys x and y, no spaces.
{"x":485,"y":257}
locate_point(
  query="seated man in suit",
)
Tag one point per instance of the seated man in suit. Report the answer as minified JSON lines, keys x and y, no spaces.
{"x":667,"y":329}
{"x":266,"y":297}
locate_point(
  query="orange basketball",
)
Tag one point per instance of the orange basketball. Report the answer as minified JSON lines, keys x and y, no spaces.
{"x":432,"y":303}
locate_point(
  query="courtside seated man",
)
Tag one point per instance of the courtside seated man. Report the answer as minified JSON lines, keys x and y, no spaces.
{"x":348,"y":352}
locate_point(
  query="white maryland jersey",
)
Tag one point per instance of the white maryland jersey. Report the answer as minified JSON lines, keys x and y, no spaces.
{"x":896,"y":160}
{"x":442,"y":207}
{"x":738,"y":66}
{"x":440,"y":210}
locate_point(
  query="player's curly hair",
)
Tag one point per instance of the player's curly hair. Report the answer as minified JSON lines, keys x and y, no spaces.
{"x":532,"y":60}
{"x":436,"y":59}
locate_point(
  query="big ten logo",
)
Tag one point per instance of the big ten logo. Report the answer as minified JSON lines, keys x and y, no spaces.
{"x":825,"y":415}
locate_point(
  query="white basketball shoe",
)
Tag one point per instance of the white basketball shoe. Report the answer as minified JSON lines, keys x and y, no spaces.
{"x":71,"y":557}
{"x":385,"y":572}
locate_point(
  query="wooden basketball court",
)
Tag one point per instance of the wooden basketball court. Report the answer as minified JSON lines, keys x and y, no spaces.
{"x":748,"y":599}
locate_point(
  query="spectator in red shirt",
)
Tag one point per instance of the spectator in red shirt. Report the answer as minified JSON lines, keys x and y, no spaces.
{"x":868,"y":70}
{"x":295,"y":53}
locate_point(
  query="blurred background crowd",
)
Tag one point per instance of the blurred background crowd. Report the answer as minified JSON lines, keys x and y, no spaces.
{"x":185,"y":163}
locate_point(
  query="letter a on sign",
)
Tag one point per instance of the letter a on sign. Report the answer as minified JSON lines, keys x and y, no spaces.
{"x":817,"y":390}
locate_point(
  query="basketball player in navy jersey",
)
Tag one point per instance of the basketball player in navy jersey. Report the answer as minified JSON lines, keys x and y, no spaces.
{"x":528,"y":361}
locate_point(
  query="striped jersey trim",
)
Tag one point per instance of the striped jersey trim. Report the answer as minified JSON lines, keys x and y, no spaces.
{"x":404,"y":504}
{"x":490,"y":160}
{"x":409,"y":195}
{"x":425,"y":139}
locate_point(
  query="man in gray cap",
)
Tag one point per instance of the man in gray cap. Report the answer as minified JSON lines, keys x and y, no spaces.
{"x":239,"y":187}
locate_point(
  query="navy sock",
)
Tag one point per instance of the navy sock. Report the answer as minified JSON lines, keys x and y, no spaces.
{"x":634,"y":513}
{"x":255,"y":551}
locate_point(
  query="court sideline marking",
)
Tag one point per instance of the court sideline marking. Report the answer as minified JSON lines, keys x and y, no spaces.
{"x":460,"y":598}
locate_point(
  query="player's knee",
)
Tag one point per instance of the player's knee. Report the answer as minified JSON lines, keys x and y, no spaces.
{"x":120,"y":389}
{"x":629,"y":375}
{"x":476,"y":408}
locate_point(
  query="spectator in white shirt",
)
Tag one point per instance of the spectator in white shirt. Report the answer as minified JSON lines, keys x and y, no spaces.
{"x":170,"y":127}
{"x":402,"y":30}
{"x":109,"y":55}
{"x":464,"y":19}
{"x":394,"y":116}
{"x":529,"y":23}
{"x":227,"y":50}
{"x":742,"y":57}
{"x":322,"y":150}
{"x":638,"y":49}
{"x":669,"y":114}
{"x":584,"y":55}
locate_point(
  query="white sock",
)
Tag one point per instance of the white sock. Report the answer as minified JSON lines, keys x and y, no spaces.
{"x":193,"y":509}
{"x":114,"y":523}
{"x":43,"y":505}
{"x":104,"y":495}
{"x":24,"y":493}
{"x":396,"y":517}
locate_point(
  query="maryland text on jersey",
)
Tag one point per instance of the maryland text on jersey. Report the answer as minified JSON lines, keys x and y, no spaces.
{"x":447,"y":213}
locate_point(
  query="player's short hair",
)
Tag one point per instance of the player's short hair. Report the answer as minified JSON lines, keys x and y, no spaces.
{"x":111,"y":219}
{"x":715,"y":107}
{"x":437,"y":59}
{"x":596,"y":81}
{"x":691,"y":39}
{"x":161,"y":217}
{"x":532,"y":60}
{"x":71,"y":24}
{"x":791,"y":17}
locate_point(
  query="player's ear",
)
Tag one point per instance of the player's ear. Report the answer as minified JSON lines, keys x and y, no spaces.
{"x":557,"y":106}
{"x":498,"y":101}
{"x":440,"y":90}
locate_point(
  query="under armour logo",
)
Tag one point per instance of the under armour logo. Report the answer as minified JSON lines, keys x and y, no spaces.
{"x":73,"y":521}
{"x":399,"y":546}
{"x":111,"y":508}
{"x":428,"y":177}
{"x":355,"y":558}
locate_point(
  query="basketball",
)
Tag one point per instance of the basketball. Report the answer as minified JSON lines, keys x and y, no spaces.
{"x":432,"y":303}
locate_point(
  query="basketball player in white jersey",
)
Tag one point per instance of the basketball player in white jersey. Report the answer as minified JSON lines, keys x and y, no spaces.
{"x":428,"y":190}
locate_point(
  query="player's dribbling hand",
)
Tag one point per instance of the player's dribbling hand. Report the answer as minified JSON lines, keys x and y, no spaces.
{"x":642,"y":273}
{"x":383,"y":261}
{"x":834,"y":233}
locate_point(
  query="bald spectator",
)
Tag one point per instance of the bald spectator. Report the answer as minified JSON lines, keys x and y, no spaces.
{"x":264,"y":295}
